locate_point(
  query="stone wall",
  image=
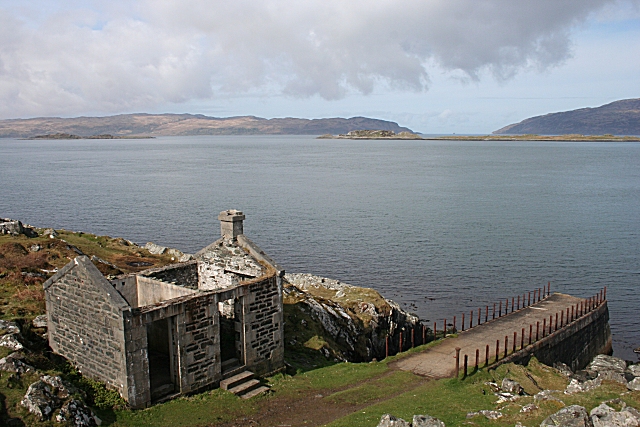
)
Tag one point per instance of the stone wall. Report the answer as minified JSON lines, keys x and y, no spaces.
{"x":185,"y":274}
{"x":151,"y":291}
{"x":575,"y":344}
{"x":263,"y":326}
{"x":85,"y":322}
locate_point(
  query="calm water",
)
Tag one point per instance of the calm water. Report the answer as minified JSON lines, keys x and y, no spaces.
{"x":445,"y":226}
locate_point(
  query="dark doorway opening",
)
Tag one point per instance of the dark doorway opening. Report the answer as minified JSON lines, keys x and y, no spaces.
{"x":160,"y":350}
{"x":230,"y":339}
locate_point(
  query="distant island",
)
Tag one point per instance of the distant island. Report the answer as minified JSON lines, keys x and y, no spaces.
{"x":129,"y":125}
{"x":617,"y":118}
{"x":372,"y":134}
{"x":71,"y":136}
{"x":384,"y":134}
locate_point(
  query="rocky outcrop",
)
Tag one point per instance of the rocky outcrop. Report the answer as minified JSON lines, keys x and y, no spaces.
{"x":373,"y":134}
{"x":602,"y":368}
{"x":175,"y":254}
{"x":356,"y":319}
{"x":15,"y":228}
{"x":388,"y":420}
{"x":571,"y":416}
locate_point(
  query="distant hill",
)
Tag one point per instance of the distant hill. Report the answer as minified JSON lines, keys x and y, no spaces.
{"x":187,"y":124}
{"x":618,"y":118}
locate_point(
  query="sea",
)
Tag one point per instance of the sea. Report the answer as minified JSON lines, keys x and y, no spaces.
{"x":441,"y":227}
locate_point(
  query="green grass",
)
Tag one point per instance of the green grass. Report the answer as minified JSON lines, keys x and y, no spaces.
{"x":214,"y":407}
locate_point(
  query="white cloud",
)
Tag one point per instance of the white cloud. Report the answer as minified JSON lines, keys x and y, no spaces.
{"x":66,"y":58}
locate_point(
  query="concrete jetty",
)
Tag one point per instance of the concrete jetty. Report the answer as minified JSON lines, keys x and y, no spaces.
{"x":559,"y":328}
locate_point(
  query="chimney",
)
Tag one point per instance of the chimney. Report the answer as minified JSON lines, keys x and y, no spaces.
{"x":231,"y":223}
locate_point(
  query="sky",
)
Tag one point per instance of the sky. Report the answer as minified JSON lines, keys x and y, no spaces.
{"x":435,"y":66}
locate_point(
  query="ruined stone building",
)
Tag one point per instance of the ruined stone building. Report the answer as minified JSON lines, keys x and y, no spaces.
{"x":211,"y":321}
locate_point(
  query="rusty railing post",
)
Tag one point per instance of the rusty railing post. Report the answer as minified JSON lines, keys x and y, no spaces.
{"x":486,"y":315}
{"x":479,"y":311}
{"x":556,"y":322}
{"x":424,"y":334}
{"x":605,"y":293}
{"x":537,"y":331}
{"x":471,"y":319}
{"x":499,"y":308}
{"x":454,"y":324}
{"x":386,"y":346}
{"x":497,"y":350}
{"x":400,"y":346}
{"x":486,"y":356}
{"x":494,"y":311}
{"x":529,"y":299}
{"x":561,"y":319}
{"x":522,"y":339}
{"x":506,"y":345}
{"x":462,"y":329}
{"x":530,"y":332}
{"x":544,"y":327}
{"x":477,"y":359}
{"x":435,"y":331}
{"x":466,"y":361}
{"x":413,"y":337}
{"x":444,"y":330}
{"x":513,"y":299}
{"x":457,"y":362}
{"x":548,"y":288}
{"x":515,"y":340}
{"x":518,"y":302}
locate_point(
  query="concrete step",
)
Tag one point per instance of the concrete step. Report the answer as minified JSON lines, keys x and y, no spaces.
{"x":255,"y":392}
{"x":245,"y":387}
{"x":235,"y":380}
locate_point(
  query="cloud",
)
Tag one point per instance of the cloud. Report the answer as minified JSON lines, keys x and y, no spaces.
{"x":59,"y":58}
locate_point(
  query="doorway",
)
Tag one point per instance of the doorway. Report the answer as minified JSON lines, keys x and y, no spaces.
{"x":160,"y":353}
{"x":230,"y":335}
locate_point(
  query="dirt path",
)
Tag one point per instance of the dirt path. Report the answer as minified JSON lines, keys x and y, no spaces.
{"x":312,"y":408}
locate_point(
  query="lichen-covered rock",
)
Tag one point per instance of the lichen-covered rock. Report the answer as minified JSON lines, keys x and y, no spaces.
{"x":77,"y":414}
{"x":529,"y":408}
{"x":571,"y":416}
{"x":634,"y":384}
{"x":388,"y":420}
{"x":608,"y":368}
{"x":11,"y":342}
{"x":577,"y":386}
{"x":14,"y":363}
{"x":426,"y":421}
{"x":547,"y":395}
{"x":605,"y":416}
{"x":8,"y":327}
{"x":40,"y":321}
{"x":155,"y":249}
{"x":14,"y":228}
{"x":40,"y":400}
{"x":634,"y":370}
{"x":511,"y":386}
{"x":490,"y":415}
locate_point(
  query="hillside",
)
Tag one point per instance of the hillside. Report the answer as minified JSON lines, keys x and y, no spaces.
{"x":617,"y":118}
{"x":187,"y":124}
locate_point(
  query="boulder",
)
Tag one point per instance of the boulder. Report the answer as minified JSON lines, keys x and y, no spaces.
{"x":77,"y":414}
{"x":511,"y":386}
{"x":14,"y":363}
{"x":634,"y":384}
{"x":571,"y":416}
{"x":388,"y":420}
{"x":155,"y":249}
{"x":547,"y":395}
{"x":40,"y":321}
{"x":8,"y":327}
{"x":40,"y":400}
{"x":608,"y":368}
{"x":634,"y":370}
{"x":426,"y":421}
{"x":50,"y":232}
{"x":11,"y":342}
{"x":577,"y":386}
{"x":605,"y":416}
{"x":529,"y":408}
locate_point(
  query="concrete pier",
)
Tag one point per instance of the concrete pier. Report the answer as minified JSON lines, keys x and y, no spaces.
{"x":549,"y":334}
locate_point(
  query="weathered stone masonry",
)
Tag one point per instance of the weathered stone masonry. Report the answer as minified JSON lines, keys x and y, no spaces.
{"x":157,"y":333}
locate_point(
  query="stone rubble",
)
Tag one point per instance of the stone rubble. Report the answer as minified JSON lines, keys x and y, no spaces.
{"x":14,"y":363}
{"x":178,"y":255}
{"x":511,"y":386}
{"x":40,"y":321}
{"x":76,"y":413}
{"x":15,"y":228}
{"x":11,"y":342}
{"x":388,"y":420}
{"x":490,"y":415}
